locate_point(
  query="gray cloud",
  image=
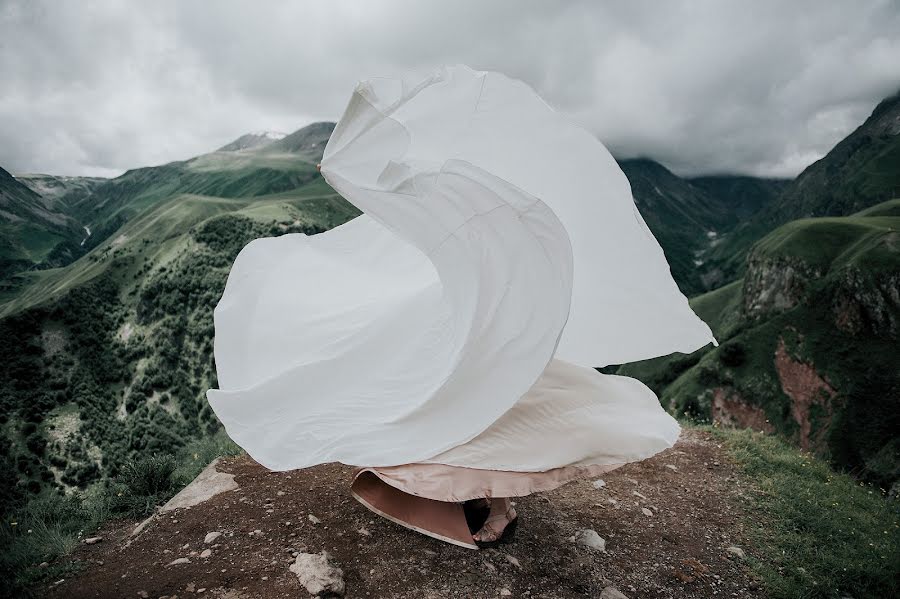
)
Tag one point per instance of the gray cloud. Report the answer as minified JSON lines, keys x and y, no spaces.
{"x":763,"y":88}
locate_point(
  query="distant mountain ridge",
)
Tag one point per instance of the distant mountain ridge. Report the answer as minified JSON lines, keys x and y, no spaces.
{"x":252,"y":140}
{"x":35,"y":229}
{"x":862,"y":170}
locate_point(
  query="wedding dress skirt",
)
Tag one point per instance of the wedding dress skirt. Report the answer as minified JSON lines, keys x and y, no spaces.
{"x":500,"y":257}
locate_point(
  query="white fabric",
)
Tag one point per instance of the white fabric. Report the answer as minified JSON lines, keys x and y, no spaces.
{"x":495,"y":237}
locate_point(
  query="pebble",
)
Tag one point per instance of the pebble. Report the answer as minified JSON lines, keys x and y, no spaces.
{"x":599,"y":483}
{"x":736,"y":551}
{"x":672,"y":467}
{"x":211,"y":536}
{"x":505,"y":592}
{"x":206,"y":553}
{"x":179,"y":561}
{"x":646,"y":511}
{"x":314,"y":519}
{"x":92,"y":540}
{"x":514,"y":561}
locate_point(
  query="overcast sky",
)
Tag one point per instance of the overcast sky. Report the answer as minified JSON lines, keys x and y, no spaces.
{"x":95,"y":87}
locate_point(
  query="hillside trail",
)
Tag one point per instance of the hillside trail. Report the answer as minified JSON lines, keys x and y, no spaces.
{"x":672,"y":525}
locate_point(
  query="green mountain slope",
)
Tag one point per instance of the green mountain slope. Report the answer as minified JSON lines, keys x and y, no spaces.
{"x":34,"y":232}
{"x":808,"y":343}
{"x":113,"y":352}
{"x":60,"y":193}
{"x":249,"y":172}
{"x":860,"y":171}
{"x":690,"y":217}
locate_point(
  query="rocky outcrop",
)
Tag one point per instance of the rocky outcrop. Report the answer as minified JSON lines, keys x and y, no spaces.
{"x":868,"y":304}
{"x":806,"y":388}
{"x":730,"y":409}
{"x":775,"y":285}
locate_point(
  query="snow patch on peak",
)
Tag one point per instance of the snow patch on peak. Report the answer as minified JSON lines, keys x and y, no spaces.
{"x":273,"y":135}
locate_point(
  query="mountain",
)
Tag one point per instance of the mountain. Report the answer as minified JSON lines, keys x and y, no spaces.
{"x":689,"y":217}
{"x":36,"y":232}
{"x":251,"y":141}
{"x":808,"y":342}
{"x":308,"y":142}
{"x":860,"y":171}
{"x":113,"y":352}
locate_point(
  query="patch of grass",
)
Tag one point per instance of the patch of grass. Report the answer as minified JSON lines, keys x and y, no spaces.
{"x":817,"y":533}
{"x":143,"y":484}
{"x":46,"y":528}
{"x":196,"y":455}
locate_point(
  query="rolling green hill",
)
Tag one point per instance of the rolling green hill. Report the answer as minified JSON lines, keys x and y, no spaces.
{"x":808,"y":343}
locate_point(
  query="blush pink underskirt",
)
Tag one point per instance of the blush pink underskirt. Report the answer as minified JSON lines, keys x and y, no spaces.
{"x":455,"y":483}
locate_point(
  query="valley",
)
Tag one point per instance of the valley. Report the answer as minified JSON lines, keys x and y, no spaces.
{"x":107,"y":288}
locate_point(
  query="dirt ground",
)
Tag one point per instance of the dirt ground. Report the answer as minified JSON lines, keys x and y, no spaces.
{"x":692,"y":494}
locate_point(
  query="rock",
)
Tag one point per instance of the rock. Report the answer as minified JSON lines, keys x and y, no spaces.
{"x":206,"y":553}
{"x":143,"y":594}
{"x":612,"y":593}
{"x":140,"y":527}
{"x":636,"y":494}
{"x":208,"y":484}
{"x":256,"y":533}
{"x":280,"y":493}
{"x":514,"y":561}
{"x":179,"y":561}
{"x":646,"y":511}
{"x":318,"y":575}
{"x":505,"y":592}
{"x":92,"y":540}
{"x":736,"y":552}
{"x":599,"y":483}
{"x":590,"y":539}
{"x":211,"y":536}
{"x":43,"y":564}
{"x":314,"y":519}
{"x":672,"y":467}
{"x":364,"y":532}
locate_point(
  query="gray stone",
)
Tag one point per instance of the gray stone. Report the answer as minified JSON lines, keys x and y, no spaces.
{"x":736,"y":552}
{"x":599,"y":483}
{"x":211,"y":536}
{"x":92,"y":540}
{"x":179,"y":561}
{"x":318,"y":574}
{"x":207,"y":485}
{"x":612,"y":593}
{"x":590,"y":539}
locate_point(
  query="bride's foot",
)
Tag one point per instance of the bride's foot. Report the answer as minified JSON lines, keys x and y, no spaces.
{"x":499,"y":526}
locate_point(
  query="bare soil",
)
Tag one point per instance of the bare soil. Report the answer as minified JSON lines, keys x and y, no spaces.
{"x":692,"y":491}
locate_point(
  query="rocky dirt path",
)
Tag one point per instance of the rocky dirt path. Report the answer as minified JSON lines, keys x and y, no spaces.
{"x":671,"y":525}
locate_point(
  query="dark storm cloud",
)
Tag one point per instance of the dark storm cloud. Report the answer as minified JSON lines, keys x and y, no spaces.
{"x":754,"y":87}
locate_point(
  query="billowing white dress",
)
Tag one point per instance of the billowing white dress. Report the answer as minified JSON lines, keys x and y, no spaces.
{"x":500,"y":257}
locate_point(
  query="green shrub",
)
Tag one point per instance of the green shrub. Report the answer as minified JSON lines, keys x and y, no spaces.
{"x":143,"y":484}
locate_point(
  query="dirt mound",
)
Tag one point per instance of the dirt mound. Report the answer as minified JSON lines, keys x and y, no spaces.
{"x":670,"y":524}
